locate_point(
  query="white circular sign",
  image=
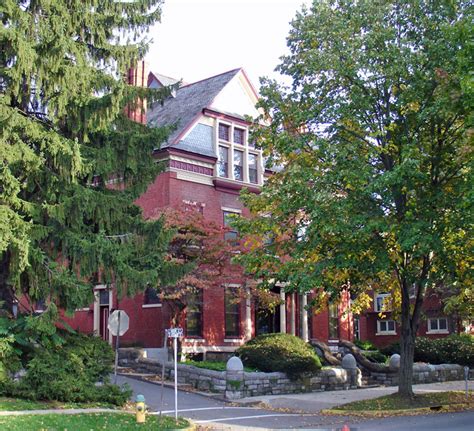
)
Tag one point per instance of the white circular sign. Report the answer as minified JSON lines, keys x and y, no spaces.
{"x":113,"y":323}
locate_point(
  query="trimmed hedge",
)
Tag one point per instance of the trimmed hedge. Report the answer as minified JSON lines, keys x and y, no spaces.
{"x":280,"y":352}
{"x":454,"y":349}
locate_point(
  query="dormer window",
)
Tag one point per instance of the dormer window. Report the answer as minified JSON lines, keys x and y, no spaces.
{"x":239,"y":136}
{"x":224,"y":132}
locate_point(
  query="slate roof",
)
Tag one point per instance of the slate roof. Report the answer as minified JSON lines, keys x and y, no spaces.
{"x":190,"y":100}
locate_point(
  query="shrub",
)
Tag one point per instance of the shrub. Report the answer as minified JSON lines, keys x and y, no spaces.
{"x":376,"y":356}
{"x":365,"y":345}
{"x":280,"y":352}
{"x":454,"y":349}
{"x":77,"y":371}
{"x":391,"y":349}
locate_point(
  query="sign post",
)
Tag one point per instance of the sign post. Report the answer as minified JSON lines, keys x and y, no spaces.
{"x":118,"y":324}
{"x":466,"y":378}
{"x":175,"y":333}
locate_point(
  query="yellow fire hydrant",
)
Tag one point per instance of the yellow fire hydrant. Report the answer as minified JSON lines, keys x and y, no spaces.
{"x":140,"y":409}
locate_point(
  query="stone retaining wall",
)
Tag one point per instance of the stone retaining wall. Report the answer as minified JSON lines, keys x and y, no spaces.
{"x":235,"y":384}
{"x":422,"y":373}
{"x":238,"y":384}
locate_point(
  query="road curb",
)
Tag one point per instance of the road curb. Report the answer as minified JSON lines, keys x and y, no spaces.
{"x":402,"y":412}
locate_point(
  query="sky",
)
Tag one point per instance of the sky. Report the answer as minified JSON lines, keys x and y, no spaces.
{"x":197,"y":39}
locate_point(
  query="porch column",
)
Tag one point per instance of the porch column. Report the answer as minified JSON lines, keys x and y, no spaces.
{"x":283,"y":311}
{"x":304,"y":317}
{"x":293,"y":314}
{"x":248,"y":317}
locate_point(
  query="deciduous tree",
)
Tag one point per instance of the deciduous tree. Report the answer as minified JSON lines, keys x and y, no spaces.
{"x":372,"y":141}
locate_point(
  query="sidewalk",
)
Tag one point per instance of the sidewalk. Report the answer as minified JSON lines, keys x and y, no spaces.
{"x":59,"y":411}
{"x":314,"y":402}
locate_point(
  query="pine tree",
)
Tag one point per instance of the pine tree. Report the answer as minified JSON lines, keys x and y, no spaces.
{"x":72,"y":163}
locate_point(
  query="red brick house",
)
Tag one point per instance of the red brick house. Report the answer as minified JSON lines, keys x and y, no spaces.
{"x":208,"y":159}
{"x":378,"y":326}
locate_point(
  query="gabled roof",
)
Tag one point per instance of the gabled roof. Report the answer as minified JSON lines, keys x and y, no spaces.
{"x":187,"y":105}
{"x":162,"y":79}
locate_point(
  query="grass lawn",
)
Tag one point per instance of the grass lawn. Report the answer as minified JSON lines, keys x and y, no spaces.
{"x":87,"y":422}
{"x":394,"y":402}
{"x":12,"y":404}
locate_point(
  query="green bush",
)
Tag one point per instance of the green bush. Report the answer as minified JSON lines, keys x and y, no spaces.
{"x":391,"y":349}
{"x":77,"y":371}
{"x":454,"y":349}
{"x":365,"y":345}
{"x":376,"y":356}
{"x":280,"y":352}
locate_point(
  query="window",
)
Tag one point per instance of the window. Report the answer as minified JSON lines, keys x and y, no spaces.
{"x":104,"y":297}
{"x":224,"y":132}
{"x":40,"y":305}
{"x":333,"y":322}
{"x":238,"y":165}
{"x":253,"y":172}
{"x":438,"y":325}
{"x":230,"y":235}
{"x":232,"y":312}
{"x":193,"y":206}
{"x":223,"y":163}
{"x":385,"y":327}
{"x":239,"y":136}
{"x":381,"y":303}
{"x":194,"y":314}
{"x":151,"y":296}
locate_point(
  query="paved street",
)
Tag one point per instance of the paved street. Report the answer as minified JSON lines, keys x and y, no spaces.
{"x":216,"y":414}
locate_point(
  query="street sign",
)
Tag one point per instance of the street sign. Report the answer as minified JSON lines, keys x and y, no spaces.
{"x":174,"y":332}
{"x":118,"y":322}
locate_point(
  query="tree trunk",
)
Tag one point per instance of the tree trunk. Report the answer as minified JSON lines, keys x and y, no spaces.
{"x":407,"y":353}
{"x":6,"y":292}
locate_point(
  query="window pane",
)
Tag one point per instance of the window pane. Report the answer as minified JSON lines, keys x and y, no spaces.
{"x":224,"y":132}
{"x":434,"y":324}
{"x":151,"y":296}
{"x":223,"y":163}
{"x":232,"y":314}
{"x":104,"y":297}
{"x":391,"y":325}
{"x":383,"y":326}
{"x":239,"y":135}
{"x":252,"y":161}
{"x":443,"y":324}
{"x":238,"y":165}
{"x":231,"y":235}
{"x":194,"y":314}
{"x":333,"y":322}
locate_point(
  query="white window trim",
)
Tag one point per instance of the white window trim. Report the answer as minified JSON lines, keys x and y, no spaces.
{"x":233,"y":340}
{"x":245,"y":148}
{"x":380,"y":332}
{"x":380,"y":295}
{"x":231,"y":210}
{"x":437,"y":331}
{"x":158,"y":305}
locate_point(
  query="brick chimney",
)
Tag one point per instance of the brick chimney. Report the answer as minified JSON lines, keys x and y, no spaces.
{"x":138,"y":76}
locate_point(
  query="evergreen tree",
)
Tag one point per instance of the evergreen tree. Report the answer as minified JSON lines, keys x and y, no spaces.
{"x":374,"y":141}
{"x":72,"y":163}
